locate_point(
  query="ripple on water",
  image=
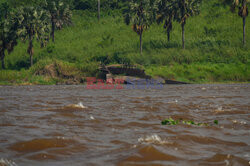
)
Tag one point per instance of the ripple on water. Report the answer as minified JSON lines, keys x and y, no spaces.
{"x":53,"y":103}
{"x":221,"y":111}
{"x":143,"y":107}
{"x":42,"y":156}
{"x":207,"y":140}
{"x":79,"y":148}
{"x":69,"y":108}
{"x":138,"y":124}
{"x":48,"y":149}
{"x":7,"y":121}
{"x":147,"y":155}
{"x":223,"y":160}
{"x":136,"y":101}
{"x":30,"y":127}
{"x":40,"y":144}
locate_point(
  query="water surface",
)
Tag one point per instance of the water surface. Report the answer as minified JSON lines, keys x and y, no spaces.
{"x":69,"y":125}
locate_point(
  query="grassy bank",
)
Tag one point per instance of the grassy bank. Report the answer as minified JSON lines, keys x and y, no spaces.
{"x":202,"y":73}
{"x":214,"y":51}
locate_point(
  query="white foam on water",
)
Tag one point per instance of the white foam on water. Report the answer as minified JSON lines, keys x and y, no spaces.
{"x":91,"y":117}
{"x":227,"y":162}
{"x":247,"y":155}
{"x":155,"y":139}
{"x":172,"y":102}
{"x":59,"y":137}
{"x":79,"y":105}
{"x":6,"y":162}
{"x":219,"y":109}
{"x":239,"y":122}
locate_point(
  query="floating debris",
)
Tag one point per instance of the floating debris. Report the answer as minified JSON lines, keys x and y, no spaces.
{"x":171,"y":121}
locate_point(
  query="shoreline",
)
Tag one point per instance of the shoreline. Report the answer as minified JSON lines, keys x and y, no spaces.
{"x":85,"y":84}
{"x":48,"y":74}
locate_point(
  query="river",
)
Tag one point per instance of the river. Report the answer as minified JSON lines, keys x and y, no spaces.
{"x":71,"y":125}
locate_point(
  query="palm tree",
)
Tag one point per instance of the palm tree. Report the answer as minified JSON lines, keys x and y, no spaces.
{"x":141,"y":13}
{"x":166,"y":14}
{"x":8,"y":31}
{"x":99,"y":9}
{"x":18,"y":3}
{"x":243,"y":12}
{"x":183,"y":9}
{"x":60,"y":14}
{"x":34,"y":24}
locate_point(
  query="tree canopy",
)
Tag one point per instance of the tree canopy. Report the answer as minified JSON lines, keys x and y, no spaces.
{"x":141,"y":14}
{"x":60,"y":15}
{"x":34,"y":24}
{"x":8,"y":31}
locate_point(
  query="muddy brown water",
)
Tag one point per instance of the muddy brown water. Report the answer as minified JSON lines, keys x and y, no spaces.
{"x":70,"y":125}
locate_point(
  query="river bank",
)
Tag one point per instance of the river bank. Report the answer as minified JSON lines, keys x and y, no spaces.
{"x":61,"y":74}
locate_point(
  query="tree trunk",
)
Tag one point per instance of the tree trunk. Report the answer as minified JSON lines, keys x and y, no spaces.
{"x":99,"y":9}
{"x":53,"y":32}
{"x":244,"y":30}
{"x":141,"y":43}
{"x":168,"y":36}
{"x":141,"y":26}
{"x":183,"y":23}
{"x":30,"y":51}
{"x":169,"y":27}
{"x":2,"y":59}
{"x":31,"y":60}
{"x":183,"y":34}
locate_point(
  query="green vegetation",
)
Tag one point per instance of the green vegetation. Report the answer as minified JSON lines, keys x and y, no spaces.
{"x":202,"y":73}
{"x":33,"y":24}
{"x":171,"y":122}
{"x":141,"y":14}
{"x":177,"y":10}
{"x":8,"y":31}
{"x":213,"y":48}
{"x":242,"y":12}
{"x":183,"y":10}
{"x":60,"y":15}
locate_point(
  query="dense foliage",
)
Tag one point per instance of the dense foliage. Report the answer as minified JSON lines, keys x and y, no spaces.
{"x":8,"y":31}
{"x":34,"y":25}
{"x":60,"y":15}
{"x":141,"y":14}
